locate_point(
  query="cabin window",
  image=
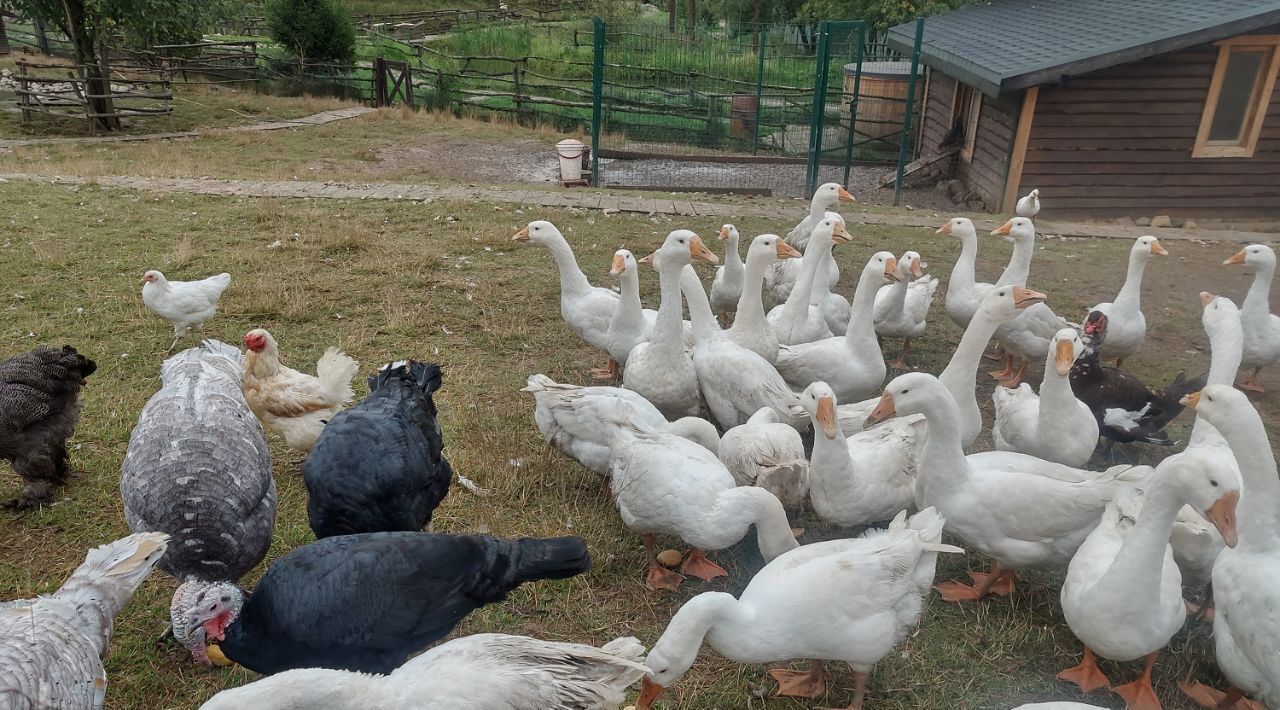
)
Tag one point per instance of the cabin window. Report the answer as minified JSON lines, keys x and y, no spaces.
{"x":1238,"y":97}
{"x":966,"y":108}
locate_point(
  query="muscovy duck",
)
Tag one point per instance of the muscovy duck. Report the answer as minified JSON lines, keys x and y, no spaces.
{"x":1126,"y":409}
{"x":378,"y":466}
{"x":364,"y":602}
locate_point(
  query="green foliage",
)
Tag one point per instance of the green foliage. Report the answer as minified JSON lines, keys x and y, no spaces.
{"x":313,"y":29}
{"x":879,"y":14}
{"x":140,"y":23}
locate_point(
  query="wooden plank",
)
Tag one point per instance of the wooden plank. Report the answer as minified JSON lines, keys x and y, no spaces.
{"x":1187,"y":107}
{"x":1168,"y":193}
{"x":1150,"y":179}
{"x":1132,"y":132}
{"x":1145,"y":205}
{"x":1018,"y":153}
{"x":917,"y":165}
{"x":1045,"y":117}
{"x":1122,"y":95}
{"x":1188,"y":167}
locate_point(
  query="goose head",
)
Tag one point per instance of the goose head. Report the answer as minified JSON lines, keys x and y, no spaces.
{"x":1067,"y":346}
{"x":681,"y":247}
{"x":201,"y":612}
{"x":959,"y":227}
{"x":829,"y":231}
{"x":819,"y":401}
{"x":539,"y":232}
{"x":1212,"y":491}
{"x":624,"y":262}
{"x":1221,"y":317}
{"x":1003,"y":303}
{"x":771,"y":248}
{"x":1145,"y":247}
{"x":1017,"y":230}
{"x":910,"y":266}
{"x":729,"y":233}
{"x":906,"y":394}
{"x":831,"y":193}
{"x":1253,"y":257}
{"x":882,"y":266}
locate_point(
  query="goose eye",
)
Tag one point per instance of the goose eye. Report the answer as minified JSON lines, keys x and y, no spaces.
{"x":905,"y":391}
{"x":1213,"y":483}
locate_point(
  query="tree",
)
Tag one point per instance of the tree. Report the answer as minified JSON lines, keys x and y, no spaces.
{"x":879,"y":14}
{"x":313,"y":29}
{"x":92,"y":25}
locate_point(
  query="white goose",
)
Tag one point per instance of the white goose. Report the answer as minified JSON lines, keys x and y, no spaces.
{"x":798,"y":320}
{"x":665,"y":484}
{"x":1122,"y":596}
{"x":1196,"y":544}
{"x":750,"y":328}
{"x":630,"y":324}
{"x":851,"y":363}
{"x":480,"y":671}
{"x":1052,"y":425}
{"x":835,"y":307}
{"x":850,"y":600}
{"x":867,"y":477}
{"x":587,"y":309}
{"x":902,"y":307}
{"x":1246,"y":578}
{"x":1126,"y":326}
{"x":726,"y":287}
{"x":781,"y":278}
{"x":724,"y":367}
{"x":1026,"y":337}
{"x":1029,"y":205}
{"x":1011,"y":507}
{"x":964,"y":292}
{"x":1261,"y":326}
{"x":558,"y":412}
{"x":660,"y":369}
{"x":959,"y":377}
{"x":767,"y":452}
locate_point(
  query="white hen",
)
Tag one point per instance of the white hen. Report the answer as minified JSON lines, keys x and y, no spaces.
{"x":185,"y":304}
{"x":293,"y":404}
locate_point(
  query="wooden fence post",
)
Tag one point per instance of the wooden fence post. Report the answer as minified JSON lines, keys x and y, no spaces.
{"x":517,"y":73}
{"x":4,"y":38}
{"x":24,"y":98}
{"x":379,"y":82}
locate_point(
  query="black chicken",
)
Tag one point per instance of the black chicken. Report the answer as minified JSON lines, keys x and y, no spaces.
{"x":1126,"y":409}
{"x":378,"y":466}
{"x":364,"y":602}
{"x":39,"y":409}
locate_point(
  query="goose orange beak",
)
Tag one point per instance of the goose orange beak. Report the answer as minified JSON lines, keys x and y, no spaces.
{"x":827,"y":416}
{"x":1064,"y":356}
{"x":724,"y":233}
{"x":1206,"y":298}
{"x":1223,"y":516}
{"x":884,"y":409}
{"x":521,"y":236}
{"x":891,"y":269}
{"x":649,"y":692}
{"x":648,"y":260}
{"x":1003,"y":230}
{"x":1025,"y":297}
{"x":840,"y":235}
{"x":846,"y":196}
{"x":917,"y":268}
{"x":1237,"y":259}
{"x":786,"y":251}
{"x":1192,"y":400}
{"x":619,"y":265}
{"x":1158,"y":249}
{"x":945,"y":228}
{"x":699,"y":251}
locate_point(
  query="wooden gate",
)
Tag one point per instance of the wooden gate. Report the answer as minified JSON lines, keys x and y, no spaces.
{"x":392,"y":82}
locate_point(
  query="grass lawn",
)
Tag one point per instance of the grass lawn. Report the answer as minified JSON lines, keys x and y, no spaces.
{"x":394,"y":280}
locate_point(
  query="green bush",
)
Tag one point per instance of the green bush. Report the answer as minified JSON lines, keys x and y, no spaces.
{"x":313,"y":29}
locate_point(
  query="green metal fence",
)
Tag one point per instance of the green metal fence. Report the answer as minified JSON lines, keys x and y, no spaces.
{"x":767,"y":110}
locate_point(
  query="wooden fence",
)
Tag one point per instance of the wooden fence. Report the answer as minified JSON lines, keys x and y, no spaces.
{"x":60,"y":90}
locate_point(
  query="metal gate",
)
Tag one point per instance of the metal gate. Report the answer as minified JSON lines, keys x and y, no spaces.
{"x":771,"y":110}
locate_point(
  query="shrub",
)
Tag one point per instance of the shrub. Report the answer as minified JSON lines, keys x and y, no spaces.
{"x":313,"y":29}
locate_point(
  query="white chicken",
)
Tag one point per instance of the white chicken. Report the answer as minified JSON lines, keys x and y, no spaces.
{"x":293,"y":404}
{"x":185,"y":304}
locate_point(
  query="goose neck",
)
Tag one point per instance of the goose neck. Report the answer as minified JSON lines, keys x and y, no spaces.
{"x":733,"y":265}
{"x":1139,"y":564}
{"x":572,"y":280}
{"x":942,"y":465}
{"x":963,"y":274}
{"x":678,"y":646}
{"x":701,"y":319}
{"x":750,"y":312}
{"x":1019,"y":267}
{"x":1257,"y":302}
{"x":1259,"y":515}
{"x":797,"y":304}
{"x":961,"y":372}
{"x":1130,"y":296}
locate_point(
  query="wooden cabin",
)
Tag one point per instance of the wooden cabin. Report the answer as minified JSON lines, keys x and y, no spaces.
{"x":1112,"y":108}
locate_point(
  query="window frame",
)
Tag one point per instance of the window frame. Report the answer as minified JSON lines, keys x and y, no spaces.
{"x":971,"y":116}
{"x":1258,"y":105}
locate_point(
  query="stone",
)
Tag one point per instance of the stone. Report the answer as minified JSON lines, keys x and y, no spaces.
{"x":955,"y":189}
{"x":1190,"y":224}
{"x":1143,"y":221}
{"x":975,"y":206}
{"x":1161,"y":220}
{"x":1178,"y":221}
{"x":1126,"y":222}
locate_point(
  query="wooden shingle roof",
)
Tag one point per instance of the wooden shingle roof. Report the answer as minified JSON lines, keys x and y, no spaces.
{"x":1006,"y":45}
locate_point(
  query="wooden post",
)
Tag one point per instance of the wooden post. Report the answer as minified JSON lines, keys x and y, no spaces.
{"x":4,"y":38}
{"x":755,"y":31}
{"x":671,"y":16}
{"x":516,"y":74}
{"x":24,"y":99}
{"x":379,"y":82}
{"x":692,"y":28}
{"x":1018,"y":152}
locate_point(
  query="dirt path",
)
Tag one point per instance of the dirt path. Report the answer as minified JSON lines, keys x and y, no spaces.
{"x":316,"y":119}
{"x":599,"y":200}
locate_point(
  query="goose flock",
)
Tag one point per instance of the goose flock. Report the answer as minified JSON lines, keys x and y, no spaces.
{"x":715,"y":420}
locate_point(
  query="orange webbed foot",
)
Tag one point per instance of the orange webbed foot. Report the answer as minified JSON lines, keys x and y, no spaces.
{"x":697,"y":565}
{"x":1251,"y":386}
{"x":1208,"y":697}
{"x":1087,"y":676}
{"x":1138,"y":695}
{"x":957,"y":592}
{"x":1003,"y":585}
{"x":660,"y":578}
{"x":800,"y":684}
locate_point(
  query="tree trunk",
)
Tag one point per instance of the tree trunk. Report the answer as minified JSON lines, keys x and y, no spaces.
{"x":671,"y":16}
{"x":4,"y":38}
{"x":91,"y":54}
{"x":692,"y":28}
{"x":755,"y":21}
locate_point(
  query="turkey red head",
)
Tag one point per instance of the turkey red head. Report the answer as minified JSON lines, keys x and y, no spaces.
{"x":200,"y":613}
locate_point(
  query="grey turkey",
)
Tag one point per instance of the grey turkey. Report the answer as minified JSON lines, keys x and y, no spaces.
{"x":198,"y":469}
{"x":379,"y":466}
{"x":364,"y":602}
{"x":39,"y":410}
{"x":52,"y":646}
